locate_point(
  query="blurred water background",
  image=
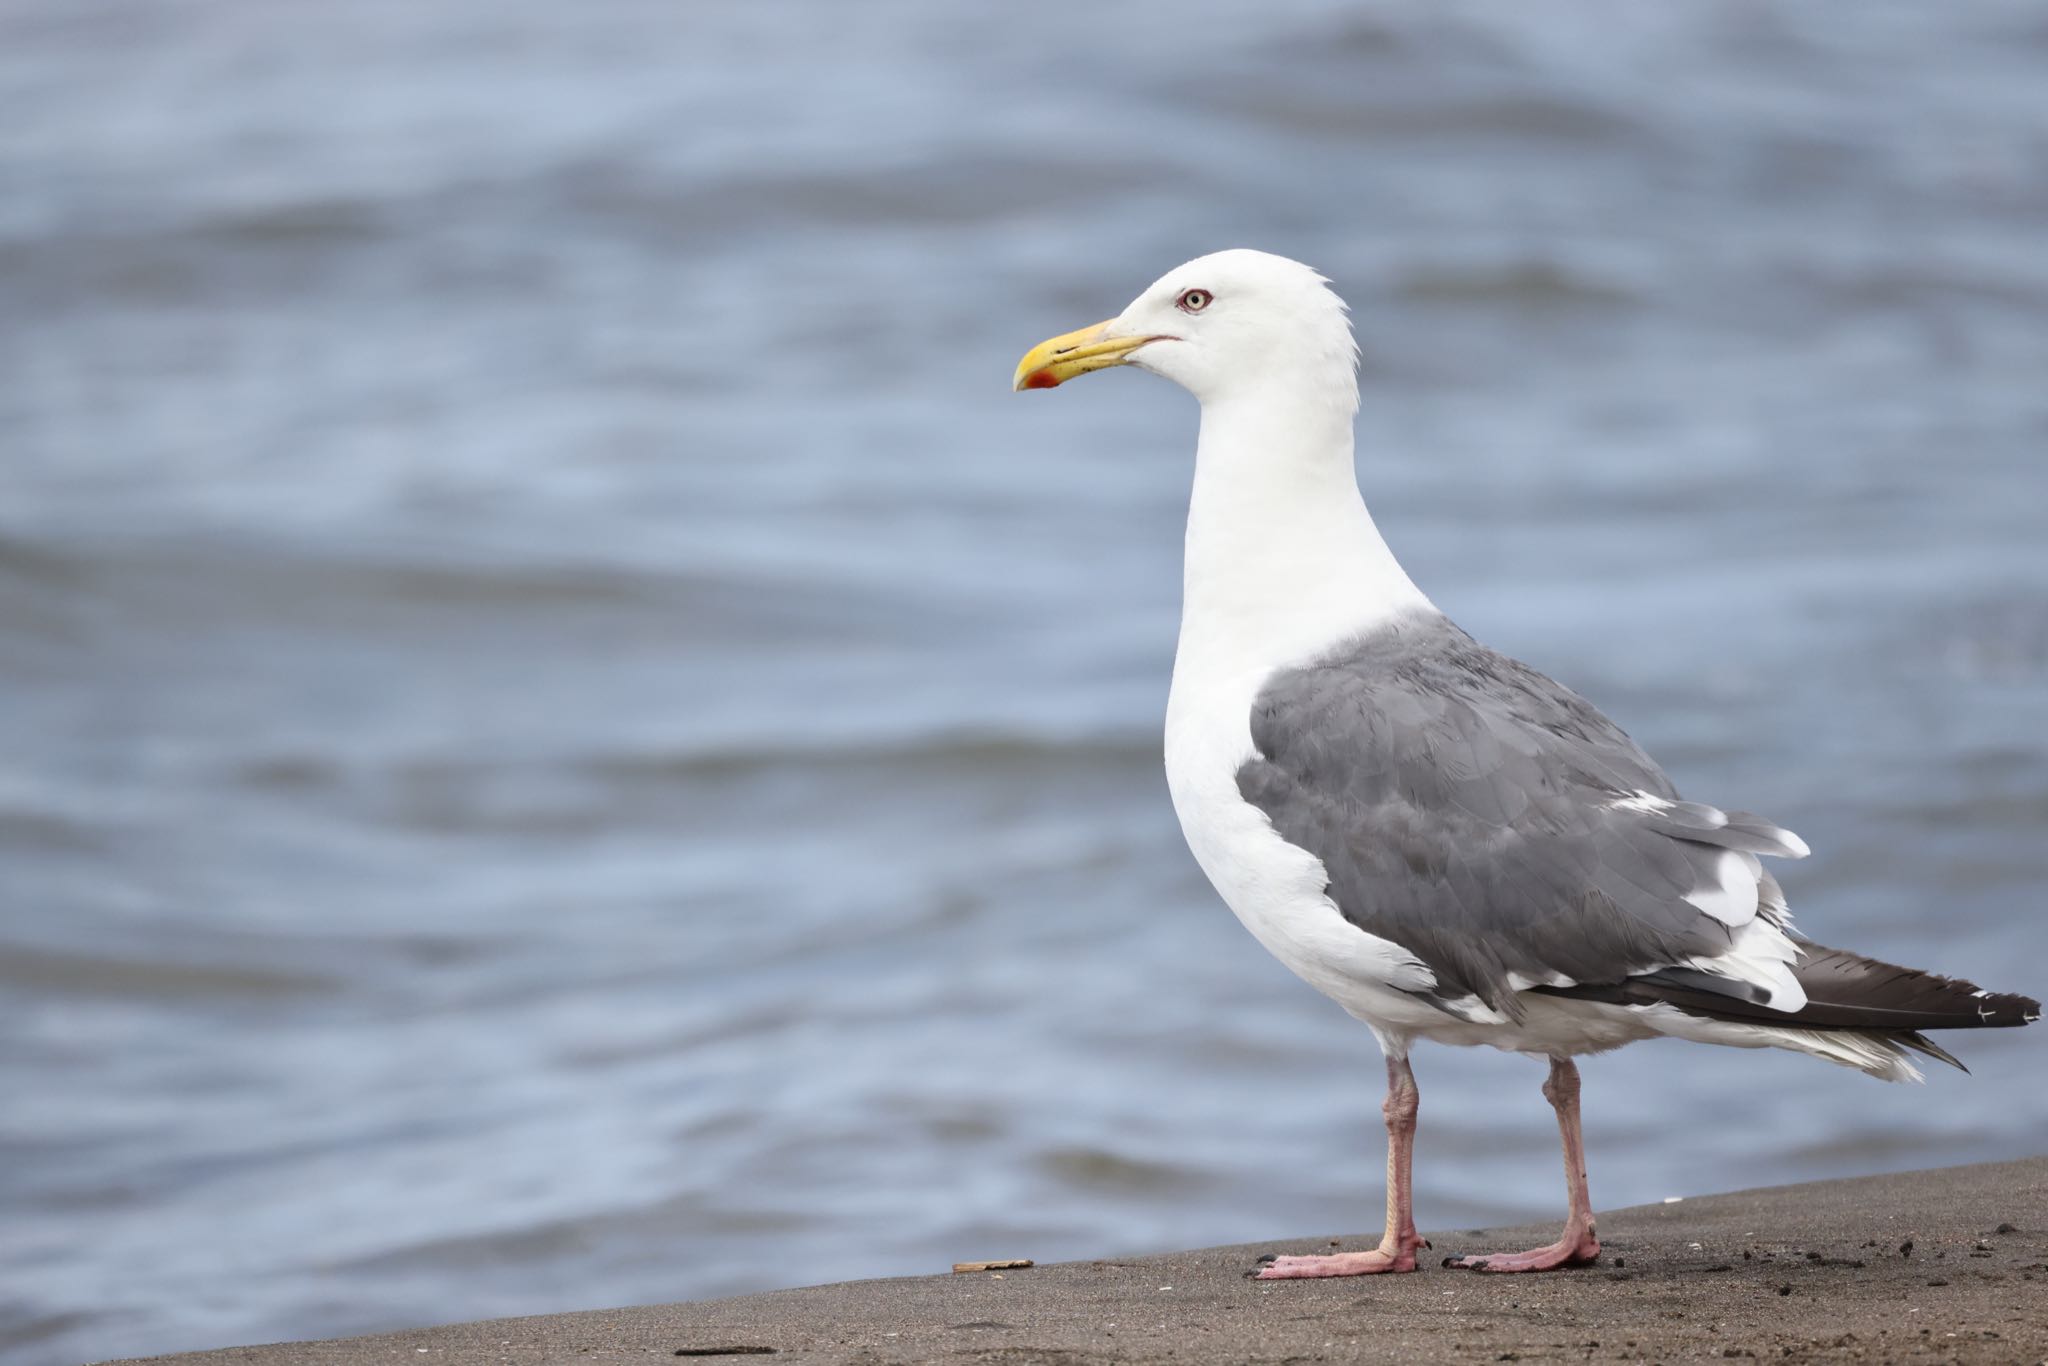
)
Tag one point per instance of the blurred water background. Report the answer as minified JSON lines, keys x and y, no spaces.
{"x":567,"y":742}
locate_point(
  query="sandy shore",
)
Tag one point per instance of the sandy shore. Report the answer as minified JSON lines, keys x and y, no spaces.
{"x":1947,"y":1265}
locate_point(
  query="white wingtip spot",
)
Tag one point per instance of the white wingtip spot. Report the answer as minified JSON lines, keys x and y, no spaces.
{"x":1795,"y":847}
{"x":1762,"y":955}
{"x":1521,"y":982}
{"x":1786,"y":993}
{"x":1732,"y":898}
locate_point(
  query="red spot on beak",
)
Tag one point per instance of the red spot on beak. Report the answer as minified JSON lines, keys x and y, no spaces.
{"x":1040,"y":379}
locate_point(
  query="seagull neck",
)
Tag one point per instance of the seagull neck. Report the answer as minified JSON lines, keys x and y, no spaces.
{"x":1283,"y":560}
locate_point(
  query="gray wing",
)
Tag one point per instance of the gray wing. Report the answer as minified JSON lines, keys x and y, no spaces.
{"x":1497,"y":826}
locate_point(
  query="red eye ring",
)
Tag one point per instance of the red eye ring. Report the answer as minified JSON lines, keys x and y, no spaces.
{"x":1193,"y":300}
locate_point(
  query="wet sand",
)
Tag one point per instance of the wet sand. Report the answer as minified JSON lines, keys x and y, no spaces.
{"x":1945,"y":1265}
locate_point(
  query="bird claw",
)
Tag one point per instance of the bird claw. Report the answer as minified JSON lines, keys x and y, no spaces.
{"x":1565,"y":1252}
{"x":1371,"y":1263}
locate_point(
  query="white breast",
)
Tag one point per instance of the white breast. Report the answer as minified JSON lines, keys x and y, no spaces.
{"x":1277,"y":889}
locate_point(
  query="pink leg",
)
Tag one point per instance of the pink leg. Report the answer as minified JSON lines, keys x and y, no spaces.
{"x":1399,"y":1241}
{"x":1576,"y":1245}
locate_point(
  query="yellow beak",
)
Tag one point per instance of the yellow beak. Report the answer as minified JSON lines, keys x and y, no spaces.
{"x":1061,"y":358}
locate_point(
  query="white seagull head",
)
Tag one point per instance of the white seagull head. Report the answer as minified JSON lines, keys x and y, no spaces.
{"x":1234,"y":322}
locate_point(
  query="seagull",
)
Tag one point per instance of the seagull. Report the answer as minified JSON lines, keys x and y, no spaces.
{"x":1446,"y":842}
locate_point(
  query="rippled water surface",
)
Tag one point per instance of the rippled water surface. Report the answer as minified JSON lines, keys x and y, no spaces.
{"x":566,"y":742}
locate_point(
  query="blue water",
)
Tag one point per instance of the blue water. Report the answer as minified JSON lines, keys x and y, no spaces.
{"x":567,"y":742}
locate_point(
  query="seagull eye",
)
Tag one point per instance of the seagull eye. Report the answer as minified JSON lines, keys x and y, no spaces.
{"x":1192,"y":300}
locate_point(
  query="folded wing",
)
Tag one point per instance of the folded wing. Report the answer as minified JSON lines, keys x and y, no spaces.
{"x":1496,"y":825}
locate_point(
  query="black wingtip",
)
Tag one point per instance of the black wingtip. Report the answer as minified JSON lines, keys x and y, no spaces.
{"x":1847,"y":988}
{"x":1844,"y":991}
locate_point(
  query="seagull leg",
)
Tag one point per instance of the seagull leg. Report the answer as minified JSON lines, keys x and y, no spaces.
{"x":1399,"y":1241}
{"x":1576,"y":1245}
